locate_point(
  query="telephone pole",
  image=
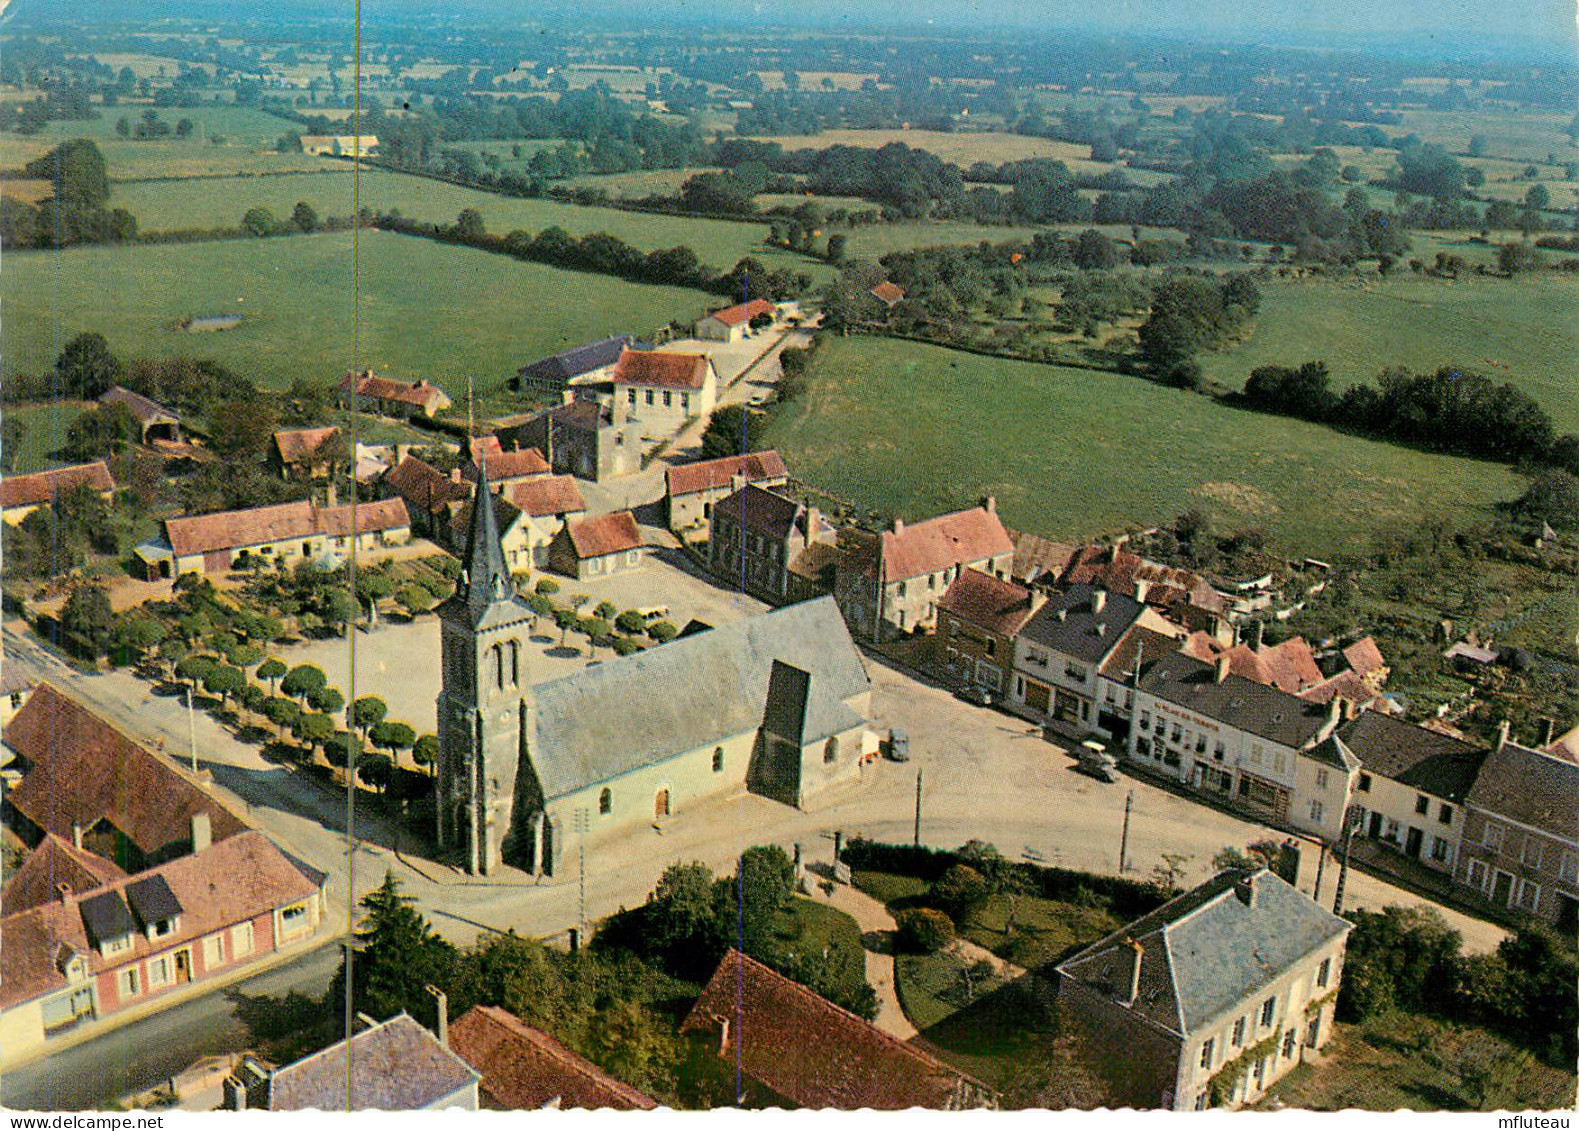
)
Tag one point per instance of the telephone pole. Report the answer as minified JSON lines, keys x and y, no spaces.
{"x":1343,"y":871}
{"x":1123,"y":843}
{"x":191,"y":730}
{"x":917,"y":836}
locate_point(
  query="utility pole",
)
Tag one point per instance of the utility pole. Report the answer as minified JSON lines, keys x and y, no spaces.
{"x":1123,"y":843}
{"x":917,"y":839}
{"x":1343,"y":871}
{"x":1321,"y":866}
{"x":191,"y":729}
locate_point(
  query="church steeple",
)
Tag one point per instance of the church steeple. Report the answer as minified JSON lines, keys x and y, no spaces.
{"x":485,"y":577}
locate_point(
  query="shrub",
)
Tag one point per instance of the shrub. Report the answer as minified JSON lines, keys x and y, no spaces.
{"x":959,"y":890}
{"x":924,"y":930}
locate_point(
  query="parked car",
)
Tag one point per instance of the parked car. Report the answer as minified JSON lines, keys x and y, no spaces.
{"x":898,"y":745}
{"x":1095,"y":760}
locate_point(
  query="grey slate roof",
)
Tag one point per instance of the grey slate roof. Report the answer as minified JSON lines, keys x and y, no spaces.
{"x":763,"y":512}
{"x":486,"y":594}
{"x":1536,"y":789}
{"x":1209,"y":949}
{"x":1083,"y":633}
{"x":603,"y":722}
{"x":152,"y":899}
{"x":106,"y":917}
{"x":395,"y":1066}
{"x":1426,"y":760}
{"x":1252,"y":707}
{"x":561,"y":367}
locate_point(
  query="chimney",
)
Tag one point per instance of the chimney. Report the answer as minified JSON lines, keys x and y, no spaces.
{"x":1101,"y":628}
{"x":838,"y":846}
{"x":813,"y":523}
{"x":1098,"y":600}
{"x":723,"y":1035}
{"x":899,"y":526}
{"x":1222,"y":668}
{"x":63,"y":892}
{"x":1128,"y":979}
{"x":1142,"y":589}
{"x":1334,"y":714}
{"x":1502,"y":733}
{"x":235,"y":1093}
{"x":76,"y":831}
{"x":1260,"y":634}
{"x":1351,"y":709}
{"x":442,"y":1001}
{"x":567,"y":396}
{"x":1063,"y":614}
{"x":737,"y":481}
{"x":990,"y":504}
{"x":202,"y":832}
{"x":1245,"y":889}
{"x":455,"y":475}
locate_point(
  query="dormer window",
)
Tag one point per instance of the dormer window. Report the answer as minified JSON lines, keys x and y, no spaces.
{"x":156,"y":906}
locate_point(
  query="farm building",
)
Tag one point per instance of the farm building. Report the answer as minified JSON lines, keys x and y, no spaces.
{"x":285,"y":532}
{"x":155,"y":421}
{"x":21,"y":495}
{"x":733,"y":323}
{"x":388,"y":397}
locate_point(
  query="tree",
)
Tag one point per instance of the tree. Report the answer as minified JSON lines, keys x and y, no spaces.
{"x":302,"y":680}
{"x":312,"y":729}
{"x":605,"y":610}
{"x":259,"y":222}
{"x":243,"y":655}
{"x":77,"y":172}
{"x":224,"y":681}
{"x":1538,"y":197}
{"x":86,"y":367}
{"x":271,"y":669}
{"x":732,"y":430}
{"x":662,"y":631}
{"x":12,"y":435}
{"x":425,"y":751}
{"x":836,"y":245}
{"x":1516,"y":258}
{"x":959,"y":890}
{"x":398,"y":956}
{"x":102,"y":431}
{"x":546,"y":586}
{"x":183,"y":128}
{"x":764,"y":883}
{"x":87,"y":615}
{"x":375,"y":771}
{"x":193,"y":668}
{"x":123,"y":126}
{"x":281,"y":712}
{"x":392,"y":736}
{"x":1094,"y":252}
{"x":140,"y":634}
{"x":326,"y":699}
{"x":923,"y":930}
{"x":367,"y":712}
{"x":414,"y":599}
{"x":304,"y":216}
{"x":1552,"y":497}
{"x":469,"y":225}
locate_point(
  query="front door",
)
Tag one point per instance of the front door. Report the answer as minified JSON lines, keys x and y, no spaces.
{"x":183,"y":966}
{"x":1502,"y":889}
{"x":1412,"y":842}
{"x":660,"y":805}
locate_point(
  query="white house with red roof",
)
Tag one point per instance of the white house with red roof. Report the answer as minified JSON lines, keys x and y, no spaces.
{"x":663,"y":390}
{"x":734,"y":322}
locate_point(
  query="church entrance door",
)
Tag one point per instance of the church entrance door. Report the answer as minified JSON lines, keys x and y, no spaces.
{"x":660,"y":805}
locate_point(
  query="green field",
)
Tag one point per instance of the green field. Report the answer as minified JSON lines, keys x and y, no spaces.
{"x":428,"y":309}
{"x":917,"y":430}
{"x":1530,"y":325}
{"x":44,"y":428}
{"x":249,"y":137}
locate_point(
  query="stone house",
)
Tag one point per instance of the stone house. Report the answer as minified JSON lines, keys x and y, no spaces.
{"x":663,"y":390}
{"x":21,"y":495}
{"x":733,"y":323}
{"x":388,"y":397}
{"x":692,"y":489}
{"x":299,"y":453}
{"x":598,"y":546}
{"x":154,"y":420}
{"x":585,"y":438}
{"x":284,"y":532}
{"x":765,"y":542}
{"x":979,"y":617}
{"x":546,"y":505}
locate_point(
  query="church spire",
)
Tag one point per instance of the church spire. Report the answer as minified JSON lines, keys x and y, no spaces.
{"x":485,"y":577}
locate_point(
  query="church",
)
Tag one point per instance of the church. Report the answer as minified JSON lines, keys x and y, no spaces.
{"x":777,"y":704}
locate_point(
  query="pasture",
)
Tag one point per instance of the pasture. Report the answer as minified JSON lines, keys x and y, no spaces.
{"x":428,"y":309}
{"x":1525,"y":331}
{"x":916,"y":430}
{"x":44,"y":428}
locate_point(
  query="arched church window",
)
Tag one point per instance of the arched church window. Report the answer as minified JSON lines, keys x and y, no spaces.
{"x":515,"y":663}
{"x":606,"y":801}
{"x":497,"y":652}
{"x":830,"y":751}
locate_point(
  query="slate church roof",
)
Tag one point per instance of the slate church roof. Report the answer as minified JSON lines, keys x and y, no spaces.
{"x":394,"y":1066}
{"x":605,"y":721}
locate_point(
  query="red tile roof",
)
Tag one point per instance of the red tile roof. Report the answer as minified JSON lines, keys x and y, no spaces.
{"x":888,"y":293}
{"x":1364,"y":657}
{"x":231,"y":881}
{"x":232,"y":530}
{"x":982,"y":600}
{"x":605,"y":534}
{"x":555,"y":494}
{"x":485,"y":445}
{"x":54,"y":862}
{"x":814,"y":1054}
{"x":1117,"y":570}
{"x":81,"y":770}
{"x":962,"y":538}
{"x":44,"y":486}
{"x":1139,"y":643}
{"x":1037,"y":558}
{"x":669,"y":370}
{"x":718,"y":474}
{"x":424,"y":487}
{"x":295,"y":445}
{"x":424,"y":394}
{"x":517,"y":464}
{"x":372,"y":517}
{"x":524,"y":1068}
{"x":743,"y":312}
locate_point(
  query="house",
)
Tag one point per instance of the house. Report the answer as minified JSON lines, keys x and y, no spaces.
{"x":515,"y":533}
{"x":1243,"y":744}
{"x":21,"y":495}
{"x":775,"y":703}
{"x":979,"y":617}
{"x":545,"y":505}
{"x":339,"y":145}
{"x":284,"y":532}
{"x":588,"y":364}
{"x":303,"y":453}
{"x":1061,"y":652}
{"x":585,"y":438}
{"x":1213,"y":997}
{"x":597,"y":547}
{"x":427,"y":492}
{"x":155,"y":421}
{"x":1117,"y":673}
{"x":1411,"y":788}
{"x":664,"y":390}
{"x":507,"y":467}
{"x":388,"y":397}
{"x":893,"y":582}
{"x":393,"y":1065}
{"x":523,"y":1068}
{"x":1520,"y":848}
{"x":1293,"y":666}
{"x":88,"y":784}
{"x":888,"y":293}
{"x":760,"y":542}
{"x":1184,"y":596}
{"x":89,"y":953}
{"x":791,"y":1047}
{"x":1038,"y":560}
{"x":54,"y":863}
{"x":691,"y":489}
{"x":733,"y":323}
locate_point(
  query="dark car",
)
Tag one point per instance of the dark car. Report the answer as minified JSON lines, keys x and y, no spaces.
{"x":898,"y":745}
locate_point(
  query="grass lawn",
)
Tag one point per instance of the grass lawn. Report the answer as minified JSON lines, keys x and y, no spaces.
{"x":1413,"y":1062}
{"x":249,"y":137}
{"x":44,"y":429}
{"x":428,"y":309}
{"x":932,"y":987}
{"x":807,"y":927}
{"x":1529,"y":325}
{"x":916,"y":430}
{"x":1044,"y":929}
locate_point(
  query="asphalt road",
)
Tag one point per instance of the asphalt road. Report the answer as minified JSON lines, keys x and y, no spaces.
{"x":144,"y":1053}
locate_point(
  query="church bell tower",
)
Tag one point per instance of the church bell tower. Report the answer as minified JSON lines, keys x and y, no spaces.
{"x":482,"y":705}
